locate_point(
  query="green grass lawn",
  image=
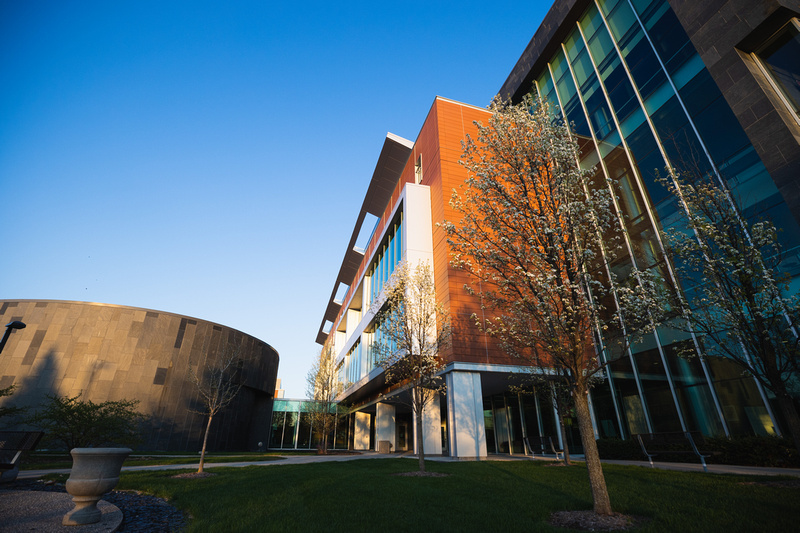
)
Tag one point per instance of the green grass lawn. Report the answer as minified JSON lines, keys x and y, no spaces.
{"x":477,"y":496}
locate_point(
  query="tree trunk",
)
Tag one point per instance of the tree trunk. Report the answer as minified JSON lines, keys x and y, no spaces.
{"x":420,"y":437}
{"x":602,"y":502}
{"x":558,"y":397}
{"x":564,"y":436}
{"x":791,"y":417}
{"x":325,"y":435}
{"x":205,"y":440}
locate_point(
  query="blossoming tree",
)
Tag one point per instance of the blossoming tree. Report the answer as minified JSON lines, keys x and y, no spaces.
{"x":537,"y":233}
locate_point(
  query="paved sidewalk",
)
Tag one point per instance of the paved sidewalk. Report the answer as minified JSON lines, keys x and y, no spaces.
{"x":685,"y":467}
{"x":288,"y":460}
{"x":306,"y":459}
{"x":715,"y":469}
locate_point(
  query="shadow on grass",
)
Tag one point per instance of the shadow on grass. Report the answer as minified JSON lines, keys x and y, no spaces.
{"x":480,"y":496}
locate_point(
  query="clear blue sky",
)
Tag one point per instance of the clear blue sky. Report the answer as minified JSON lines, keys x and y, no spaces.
{"x":209,"y":158}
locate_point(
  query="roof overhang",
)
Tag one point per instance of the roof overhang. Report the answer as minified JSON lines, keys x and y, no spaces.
{"x":392,"y":160}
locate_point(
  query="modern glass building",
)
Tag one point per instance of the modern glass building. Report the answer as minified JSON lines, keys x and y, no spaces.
{"x":651,"y":84}
{"x":710,"y":89}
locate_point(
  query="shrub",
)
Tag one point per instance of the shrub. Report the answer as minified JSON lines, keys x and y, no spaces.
{"x":742,"y":450}
{"x":628,"y":450}
{"x":69,"y":422}
{"x":753,"y":451}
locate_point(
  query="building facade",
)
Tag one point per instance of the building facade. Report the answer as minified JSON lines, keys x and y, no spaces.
{"x":408,"y":194}
{"x":711,"y":88}
{"x":112,"y":352}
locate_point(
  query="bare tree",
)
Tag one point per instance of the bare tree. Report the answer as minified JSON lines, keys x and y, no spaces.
{"x":217,"y":384}
{"x":323,"y":386}
{"x":536,"y":233}
{"x":736,"y":300}
{"x":413,"y":328}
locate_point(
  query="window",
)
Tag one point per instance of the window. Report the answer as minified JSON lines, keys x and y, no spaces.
{"x":780,"y":58}
{"x":388,"y":254}
{"x":418,"y":170}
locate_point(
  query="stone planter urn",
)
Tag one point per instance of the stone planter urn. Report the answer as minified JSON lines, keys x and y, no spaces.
{"x":95,"y":471}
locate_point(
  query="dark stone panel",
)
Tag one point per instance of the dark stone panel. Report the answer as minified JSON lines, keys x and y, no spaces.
{"x":136,"y":329}
{"x":558,"y":22}
{"x":161,"y":376}
{"x":34,"y":346}
{"x":181,"y":331}
{"x":114,"y":352}
{"x":724,"y":33}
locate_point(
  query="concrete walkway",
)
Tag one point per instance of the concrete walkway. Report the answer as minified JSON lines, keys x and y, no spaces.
{"x":287,"y":460}
{"x":715,"y":469}
{"x":306,"y":459}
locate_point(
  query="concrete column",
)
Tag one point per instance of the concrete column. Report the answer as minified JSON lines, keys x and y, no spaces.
{"x":465,"y":424}
{"x":417,"y":225}
{"x":385,"y":425}
{"x":361,"y":437}
{"x":353,"y":318}
{"x":431,"y":428}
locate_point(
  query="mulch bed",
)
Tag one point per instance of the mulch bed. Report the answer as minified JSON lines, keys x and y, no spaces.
{"x":421,"y":474}
{"x":193,"y":475}
{"x":591,"y":521}
{"x":782,"y":484}
{"x":141,"y":513}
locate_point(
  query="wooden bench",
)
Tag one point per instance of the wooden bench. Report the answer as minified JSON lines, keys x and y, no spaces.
{"x":673,"y":443}
{"x":542,"y":444}
{"x":13,"y":443}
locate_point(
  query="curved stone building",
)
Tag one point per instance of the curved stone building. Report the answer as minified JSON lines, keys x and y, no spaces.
{"x":114,"y":352}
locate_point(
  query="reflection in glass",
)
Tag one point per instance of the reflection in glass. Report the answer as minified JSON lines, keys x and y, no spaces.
{"x":740,"y":400}
{"x":488,"y":422}
{"x":694,"y":394}
{"x":276,"y":432}
{"x":289,"y":430}
{"x":304,"y":431}
{"x":781,"y":57}
{"x":628,"y":396}
{"x":606,"y":416}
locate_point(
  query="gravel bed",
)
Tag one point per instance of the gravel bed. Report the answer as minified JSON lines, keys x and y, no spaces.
{"x":141,"y":513}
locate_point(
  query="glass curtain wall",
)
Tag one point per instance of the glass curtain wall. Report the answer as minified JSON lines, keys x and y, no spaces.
{"x":352,"y":364}
{"x":292,"y":428}
{"x":389,"y":254}
{"x":638,"y":99}
{"x":509,"y":418}
{"x":378,"y":337}
{"x":362,"y":358}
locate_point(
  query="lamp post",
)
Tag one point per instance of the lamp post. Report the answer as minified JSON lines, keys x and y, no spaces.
{"x":9,"y":328}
